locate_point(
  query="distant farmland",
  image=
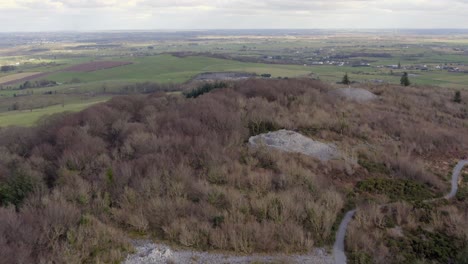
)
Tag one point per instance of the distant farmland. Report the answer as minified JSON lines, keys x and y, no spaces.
{"x":21,"y":77}
{"x":96,"y":66}
{"x":29,"y":118}
{"x":171,"y":69}
{"x":84,"y":67}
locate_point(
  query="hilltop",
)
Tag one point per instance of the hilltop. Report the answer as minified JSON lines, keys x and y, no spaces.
{"x":77,"y":187}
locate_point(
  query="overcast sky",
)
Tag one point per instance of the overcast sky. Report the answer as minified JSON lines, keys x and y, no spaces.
{"x":53,"y":15}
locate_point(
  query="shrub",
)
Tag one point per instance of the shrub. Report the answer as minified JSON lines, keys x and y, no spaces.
{"x":407,"y":168}
{"x":420,"y":244}
{"x":261,"y":127}
{"x":395,"y":189}
{"x":7,"y":68}
{"x":16,"y":189}
{"x":205,"y":88}
{"x":462,"y":194}
{"x":462,"y":257}
{"x":359,"y":258}
{"x":405,"y":80}
{"x":457,"y":98}
{"x":346,"y":80}
{"x":372,"y":166}
{"x":217,"y":221}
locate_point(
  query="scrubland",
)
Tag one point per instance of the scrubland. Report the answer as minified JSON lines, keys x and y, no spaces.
{"x":179,"y":170}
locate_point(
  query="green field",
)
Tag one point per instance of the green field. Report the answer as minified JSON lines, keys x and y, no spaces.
{"x":170,"y":69}
{"x":30,"y":118}
{"x":160,"y":69}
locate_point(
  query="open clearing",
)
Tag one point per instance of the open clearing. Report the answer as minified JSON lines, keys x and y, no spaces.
{"x":17,"y":77}
{"x":96,"y":66}
{"x":28,"y":118}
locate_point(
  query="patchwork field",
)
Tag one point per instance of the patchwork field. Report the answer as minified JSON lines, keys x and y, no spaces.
{"x":171,"y":69}
{"x":160,"y":68}
{"x":18,"y":77}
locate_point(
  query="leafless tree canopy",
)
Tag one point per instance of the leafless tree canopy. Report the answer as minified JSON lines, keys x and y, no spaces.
{"x":180,"y":170}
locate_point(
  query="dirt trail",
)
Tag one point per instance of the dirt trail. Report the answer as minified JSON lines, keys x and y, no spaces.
{"x":339,"y":246}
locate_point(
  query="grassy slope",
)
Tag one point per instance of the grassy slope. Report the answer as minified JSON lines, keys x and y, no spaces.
{"x":29,"y":118}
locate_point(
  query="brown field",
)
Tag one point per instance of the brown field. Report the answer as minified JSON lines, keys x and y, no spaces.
{"x":21,"y":77}
{"x":96,"y":65}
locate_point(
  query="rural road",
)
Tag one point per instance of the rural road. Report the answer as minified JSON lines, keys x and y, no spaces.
{"x":339,"y":246}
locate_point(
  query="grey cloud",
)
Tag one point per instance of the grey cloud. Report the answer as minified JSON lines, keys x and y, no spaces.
{"x":83,"y":3}
{"x":152,"y":14}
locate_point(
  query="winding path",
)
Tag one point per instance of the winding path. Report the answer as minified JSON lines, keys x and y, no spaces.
{"x":455,"y":176}
{"x":339,"y":246}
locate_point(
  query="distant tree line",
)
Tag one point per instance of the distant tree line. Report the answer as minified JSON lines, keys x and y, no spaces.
{"x":7,"y":68}
{"x":205,"y":88}
{"x":37,"y":84}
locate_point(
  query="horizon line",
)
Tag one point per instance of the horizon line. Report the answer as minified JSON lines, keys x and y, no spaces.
{"x":220,"y":29}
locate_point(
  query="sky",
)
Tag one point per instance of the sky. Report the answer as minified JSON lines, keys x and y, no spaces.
{"x":91,"y":15}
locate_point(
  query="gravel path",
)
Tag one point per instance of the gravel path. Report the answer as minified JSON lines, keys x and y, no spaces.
{"x":339,"y":246}
{"x":291,"y":141}
{"x":455,"y":176}
{"x":150,"y":253}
